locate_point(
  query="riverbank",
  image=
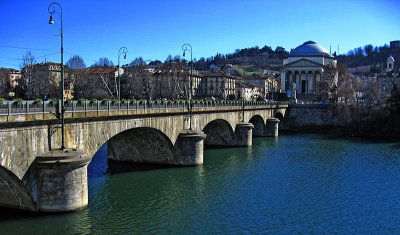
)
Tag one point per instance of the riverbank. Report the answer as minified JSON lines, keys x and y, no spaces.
{"x":328,"y":119}
{"x":348,"y":131}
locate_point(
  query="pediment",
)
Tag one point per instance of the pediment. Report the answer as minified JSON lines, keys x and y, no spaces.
{"x":303,"y":63}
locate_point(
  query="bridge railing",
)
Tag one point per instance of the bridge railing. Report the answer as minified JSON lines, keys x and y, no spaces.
{"x":9,"y":108}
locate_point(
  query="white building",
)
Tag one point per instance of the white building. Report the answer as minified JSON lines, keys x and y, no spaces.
{"x":247,"y":91}
{"x":389,"y":78}
{"x":303,"y":68}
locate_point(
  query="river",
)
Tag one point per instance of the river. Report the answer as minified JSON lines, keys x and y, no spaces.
{"x":291,"y":184}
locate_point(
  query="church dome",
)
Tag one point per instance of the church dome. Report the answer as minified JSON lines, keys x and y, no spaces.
{"x":390,"y":59}
{"x":310,"y":48}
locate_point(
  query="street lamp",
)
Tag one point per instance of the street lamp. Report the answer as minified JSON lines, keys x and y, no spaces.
{"x":52,"y":9}
{"x":188,"y":47}
{"x":122,"y":50}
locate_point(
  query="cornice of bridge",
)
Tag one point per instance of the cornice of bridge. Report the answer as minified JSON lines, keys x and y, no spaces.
{"x":40,"y":119}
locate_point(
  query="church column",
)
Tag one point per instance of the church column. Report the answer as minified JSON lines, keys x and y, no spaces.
{"x":307,"y":82}
{"x":314,"y":82}
{"x":301,"y":77}
{"x":310,"y":81}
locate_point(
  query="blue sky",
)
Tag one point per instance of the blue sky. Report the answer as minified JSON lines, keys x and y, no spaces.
{"x":158,"y":28}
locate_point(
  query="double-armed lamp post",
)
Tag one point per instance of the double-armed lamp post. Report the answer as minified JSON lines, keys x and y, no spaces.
{"x":122,"y":50}
{"x":188,"y":47}
{"x":52,"y":11}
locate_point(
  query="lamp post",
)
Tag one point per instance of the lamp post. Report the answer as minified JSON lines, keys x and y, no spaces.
{"x":122,"y":50}
{"x":52,"y":9}
{"x":188,"y":47}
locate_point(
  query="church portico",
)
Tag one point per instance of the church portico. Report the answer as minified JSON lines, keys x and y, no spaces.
{"x":305,"y":81}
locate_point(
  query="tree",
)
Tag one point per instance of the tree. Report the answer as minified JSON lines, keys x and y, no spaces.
{"x":141,"y":83}
{"x":169,"y":59}
{"x":327,"y":85}
{"x":27,"y":82}
{"x":103,"y":62}
{"x":85,"y":87}
{"x":393,"y":102}
{"x":372,"y":95}
{"x":3,"y":83}
{"x":155,"y":63}
{"x":368,"y":49}
{"x":76,"y":62}
{"x":46,"y":82}
{"x":137,"y":61}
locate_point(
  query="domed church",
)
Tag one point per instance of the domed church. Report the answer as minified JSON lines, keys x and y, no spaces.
{"x":304,"y":67}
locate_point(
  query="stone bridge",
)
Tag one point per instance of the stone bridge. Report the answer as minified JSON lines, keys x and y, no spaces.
{"x":35,"y":177}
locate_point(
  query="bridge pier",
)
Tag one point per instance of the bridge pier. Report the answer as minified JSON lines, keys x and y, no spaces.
{"x":61,"y":179}
{"x":189,"y":148}
{"x":243,"y":134}
{"x":271,"y":128}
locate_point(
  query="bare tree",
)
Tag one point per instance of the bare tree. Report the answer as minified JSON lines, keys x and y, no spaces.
{"x":103,"y":62}
{"x":91,"y":85}
{"x":333,"y":75}
{"x":372,"y":95}
{"x":76,"y":62}
{"x":27,"y":82}
{"x":4,"y":85}
{"x":46,"y":83}
{"x":141,"y":83}
{"x":173,"y":77}
{"x":137,"y":61}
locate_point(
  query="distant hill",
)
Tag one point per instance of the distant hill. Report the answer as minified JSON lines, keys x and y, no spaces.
{"x":255,"y":60}
{"x":370,"y":56}
{"x":247,"y":61}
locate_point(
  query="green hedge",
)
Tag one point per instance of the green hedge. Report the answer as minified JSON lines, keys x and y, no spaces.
{"x":38,"y":101}
{"x":18,"y":101}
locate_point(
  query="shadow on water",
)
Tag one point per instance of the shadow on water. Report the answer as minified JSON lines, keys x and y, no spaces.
{"x":11,"y":214}
{"x":217,"y":147}
{"x":115,"y":167}
{"x":352,"y":139}
{"x":396,"y":146}
{"x":101,"y":165}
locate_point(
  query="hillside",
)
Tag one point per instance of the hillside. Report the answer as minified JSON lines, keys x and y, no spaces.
{"x":247,"y":61}
{"x":371,"y":56}
{"x":255,"y":60}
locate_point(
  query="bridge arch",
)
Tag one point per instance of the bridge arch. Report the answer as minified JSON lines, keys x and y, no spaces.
{"x":219,"y":133}
{"x":259,"y":125}
{"x":141,"y":144}
{"x":279,"y":115}
{"x":13,"y":193}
